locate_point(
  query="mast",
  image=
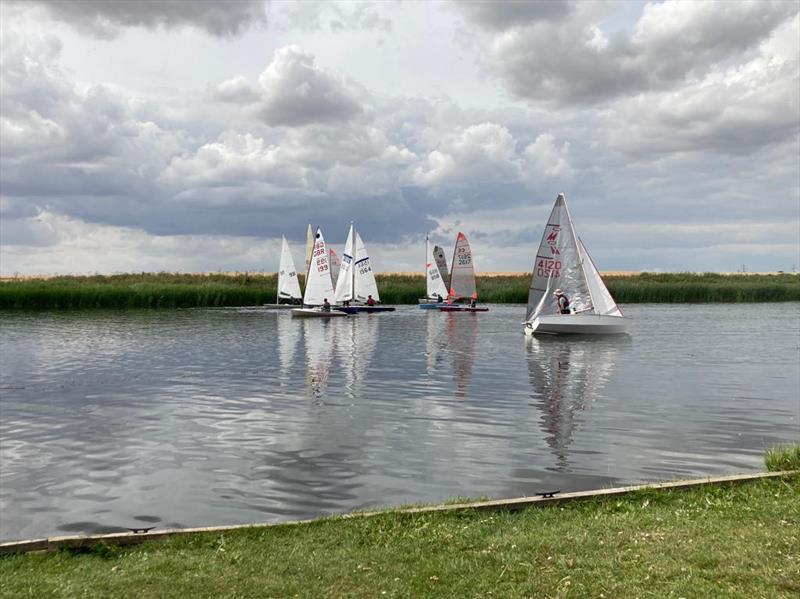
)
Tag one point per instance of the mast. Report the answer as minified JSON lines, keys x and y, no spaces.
{"x":353,"y":267}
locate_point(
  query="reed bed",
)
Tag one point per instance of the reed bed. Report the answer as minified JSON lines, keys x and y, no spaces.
{"x":783,"y":457}
{"x":170,"y":290}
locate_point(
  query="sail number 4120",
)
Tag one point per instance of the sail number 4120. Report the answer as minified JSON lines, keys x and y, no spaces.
{"x":544,"y":268}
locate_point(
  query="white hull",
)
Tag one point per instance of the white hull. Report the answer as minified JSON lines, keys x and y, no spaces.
{"x":315,"y":313}
{"x":576,"y":324}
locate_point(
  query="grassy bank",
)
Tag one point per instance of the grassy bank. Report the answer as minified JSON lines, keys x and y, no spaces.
{"x":737,"y":541}
{"x":167,"y":290}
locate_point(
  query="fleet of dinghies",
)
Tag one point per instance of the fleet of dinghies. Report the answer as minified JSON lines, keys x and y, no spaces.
{"x":338,"y":287}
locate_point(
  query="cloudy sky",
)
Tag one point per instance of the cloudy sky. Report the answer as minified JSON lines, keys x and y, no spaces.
{"x":188,"y":135}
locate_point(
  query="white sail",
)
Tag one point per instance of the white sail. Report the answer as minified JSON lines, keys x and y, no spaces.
{"x":319,"y":285}
{"x":602,"y":301}
{"x":441,"y":262}
{"x":309,"y":247}
{"x":335,"y":264}
{"x":344,"y":282}
{"x":288,"y":285}
{"x":364,"y":278}
{"x":558,"y":265}
{"x":462,"y":271}
{"x":433,"y":276}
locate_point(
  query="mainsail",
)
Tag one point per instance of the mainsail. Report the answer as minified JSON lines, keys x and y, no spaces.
{"x":364,"y":278}
{"x":319,"y":285}
{"x":344,"y":282}
{"x":335,"y":264}
{"x":462,"y":277}
{"x":433,"y":276}
{"x":558,"y":264}
{"x":441,"y":262}
{"x":288,"y":285}
{"x":309,"y":247}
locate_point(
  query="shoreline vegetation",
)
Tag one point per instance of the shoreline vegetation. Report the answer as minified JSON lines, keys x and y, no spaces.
{"x":175,"y":290}
{"x":709,"y":541}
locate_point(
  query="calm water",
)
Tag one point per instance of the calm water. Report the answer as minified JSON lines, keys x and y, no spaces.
{"x":201,"y":417}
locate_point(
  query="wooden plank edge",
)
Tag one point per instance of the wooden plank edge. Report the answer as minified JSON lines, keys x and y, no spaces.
{"x":518,"y":503}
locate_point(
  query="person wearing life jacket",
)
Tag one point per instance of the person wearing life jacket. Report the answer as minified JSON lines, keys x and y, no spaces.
{"x":326,"y":305}
{"x":370,"y":300}
{"x":562,"y":302}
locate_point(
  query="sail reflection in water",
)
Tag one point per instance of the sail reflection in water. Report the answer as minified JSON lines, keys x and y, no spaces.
{"x":288,"y":335}
{"x":567,"y":376}
{"x":318,"y":337}
{"x":462,"y":334}
{"x":356,"y":339}
{"x":435,"y":341}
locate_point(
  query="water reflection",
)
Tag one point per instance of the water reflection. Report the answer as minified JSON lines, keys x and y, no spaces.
{"x":567,"y":377}
{"x":318,"y":337}
{"x":356,"y":340}
{"x":111,"y":416}
{"x":435,"y":342}
{"x":288,"y":335}
{"x":462,"y":333}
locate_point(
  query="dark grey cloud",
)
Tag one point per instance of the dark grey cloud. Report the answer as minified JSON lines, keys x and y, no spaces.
{"x":498,"y":16}
{"x":574,"y":62}
{"x":105,"y":18}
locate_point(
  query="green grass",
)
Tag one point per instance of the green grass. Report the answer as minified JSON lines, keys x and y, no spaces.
{"x":166,"y":290}
{"x":783,"y":457}
{"x":739,"y":541}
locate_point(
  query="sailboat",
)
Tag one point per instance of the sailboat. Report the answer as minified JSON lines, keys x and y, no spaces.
{"x":436,"y":289}
{"x":319,"y":285}
{"x":462,"y":278}
{"x":562,"y":261}
{"x":333,"y":258}
{"x":309,"y":248}
{"x":288,"y":285}
{"x":441,"y":262}
{"x":356,"y":282}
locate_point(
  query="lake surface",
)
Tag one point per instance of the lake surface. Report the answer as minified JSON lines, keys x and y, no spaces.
{"x":205,"y":417}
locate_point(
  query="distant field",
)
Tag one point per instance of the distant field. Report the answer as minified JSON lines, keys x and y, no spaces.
{"x":175,"y":290}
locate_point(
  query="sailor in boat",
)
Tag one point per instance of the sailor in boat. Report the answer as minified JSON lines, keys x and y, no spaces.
{"x":326,"y":305}
{"x":562,"y":302}
{"x":370,"y":300}
{"x":439,"y":298}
